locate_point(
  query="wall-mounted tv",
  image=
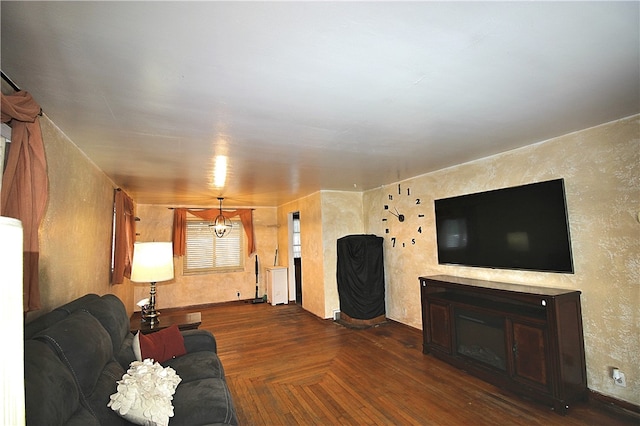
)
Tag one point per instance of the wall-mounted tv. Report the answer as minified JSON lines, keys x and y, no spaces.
{"x":523,"y":227}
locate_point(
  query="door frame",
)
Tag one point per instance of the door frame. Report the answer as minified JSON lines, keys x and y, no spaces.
{"x":291,"y":271}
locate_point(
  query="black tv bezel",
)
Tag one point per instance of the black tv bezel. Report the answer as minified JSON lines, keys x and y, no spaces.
{"x":570,"y":270}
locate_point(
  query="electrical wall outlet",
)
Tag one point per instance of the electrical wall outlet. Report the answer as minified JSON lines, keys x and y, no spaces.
{"x":238,"y":294}
{"x":618,"y":378}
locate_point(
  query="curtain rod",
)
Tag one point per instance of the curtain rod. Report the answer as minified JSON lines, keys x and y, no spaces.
{"x":13,"y":85}
{"x":209,"y":208}
{"x":10,"y":82}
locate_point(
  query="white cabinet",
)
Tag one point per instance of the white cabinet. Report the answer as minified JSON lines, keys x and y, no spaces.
{"x":277,"y":285}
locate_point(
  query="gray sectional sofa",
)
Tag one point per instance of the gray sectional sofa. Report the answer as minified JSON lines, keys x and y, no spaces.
{"x":75,"y":354}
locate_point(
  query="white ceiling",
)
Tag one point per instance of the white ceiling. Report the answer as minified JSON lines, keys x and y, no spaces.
{"x":303,"y":96}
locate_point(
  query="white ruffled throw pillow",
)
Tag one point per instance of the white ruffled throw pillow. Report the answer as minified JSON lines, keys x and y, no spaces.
{"x":145,"y":393}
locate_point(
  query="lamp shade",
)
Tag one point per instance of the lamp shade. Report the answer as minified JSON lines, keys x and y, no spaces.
{"x":152,"y":262}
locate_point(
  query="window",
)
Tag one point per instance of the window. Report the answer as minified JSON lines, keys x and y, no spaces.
{"x":207,"y":253}
{"x":297,"y":244}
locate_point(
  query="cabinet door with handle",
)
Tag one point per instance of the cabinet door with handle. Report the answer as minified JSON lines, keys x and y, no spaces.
{"x":439,"y":326}
{"x":530,"y":354}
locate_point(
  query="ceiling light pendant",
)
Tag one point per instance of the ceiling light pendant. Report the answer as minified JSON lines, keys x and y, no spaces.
{"x":221,"y":225}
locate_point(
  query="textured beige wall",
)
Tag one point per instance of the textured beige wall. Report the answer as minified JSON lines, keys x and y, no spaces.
{"x":601,"y":168}
{"x":156,"y":223}
{"x":75,"y":234}
{"x":341,"y":216}
{"x":310,"y":208}
{"x":324,"y":217}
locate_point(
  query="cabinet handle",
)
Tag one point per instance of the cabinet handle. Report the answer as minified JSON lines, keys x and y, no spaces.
{"x":515,"y":349}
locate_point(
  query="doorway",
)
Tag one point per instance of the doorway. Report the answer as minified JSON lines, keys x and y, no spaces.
{"x":295,"y":254}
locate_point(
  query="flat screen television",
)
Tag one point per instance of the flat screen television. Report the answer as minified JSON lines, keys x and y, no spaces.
{"x":523,"y":227}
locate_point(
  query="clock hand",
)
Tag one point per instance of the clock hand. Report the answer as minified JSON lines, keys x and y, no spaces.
{"x":397,"y":214}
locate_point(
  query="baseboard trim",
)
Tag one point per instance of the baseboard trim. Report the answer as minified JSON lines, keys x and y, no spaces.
{"x":618,"y":406}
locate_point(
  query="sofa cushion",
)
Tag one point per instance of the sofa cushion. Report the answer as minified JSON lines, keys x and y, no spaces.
{"x":78,"y":303}
{"x":98,"y":400}
{"x":199,"y":340}
{"x":47,"y":320}
{"x":43,"y":322}
{"x":83,"y":345}
{"x":203,"y":402}
{"x":51,"y":395}
{"x":82,"y":417}
{"x":196,"y":366}
{"x":125,"y":355}
{"x":111,"y":313}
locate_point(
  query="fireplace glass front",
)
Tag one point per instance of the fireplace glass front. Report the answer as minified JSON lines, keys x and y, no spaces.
{"x":481,"y":337}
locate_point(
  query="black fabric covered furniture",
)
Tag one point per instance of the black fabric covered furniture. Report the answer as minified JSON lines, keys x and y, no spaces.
{"x":360,"y":276}
{"x":75,"y":354}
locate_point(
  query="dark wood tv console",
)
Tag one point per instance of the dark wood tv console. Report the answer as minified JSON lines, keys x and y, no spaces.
{"x":527,"y":339}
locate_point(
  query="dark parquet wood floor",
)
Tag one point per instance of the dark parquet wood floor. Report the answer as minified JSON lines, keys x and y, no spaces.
{"x":285,"y":366}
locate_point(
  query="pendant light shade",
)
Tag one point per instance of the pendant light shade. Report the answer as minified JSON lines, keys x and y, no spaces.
{"x":221,"y":225}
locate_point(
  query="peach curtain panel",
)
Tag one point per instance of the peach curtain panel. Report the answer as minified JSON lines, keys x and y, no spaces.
{"x":180,"y":226}
{"x":25,"y":184}
{"x":125,"y":235}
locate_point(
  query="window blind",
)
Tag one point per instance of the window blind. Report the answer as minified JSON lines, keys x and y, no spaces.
{"x":206,"y":252}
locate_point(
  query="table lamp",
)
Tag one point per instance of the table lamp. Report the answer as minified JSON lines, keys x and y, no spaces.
{"x":152,"y":262}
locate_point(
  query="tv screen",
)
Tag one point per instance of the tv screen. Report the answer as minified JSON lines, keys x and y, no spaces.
{"x":523,"y":227}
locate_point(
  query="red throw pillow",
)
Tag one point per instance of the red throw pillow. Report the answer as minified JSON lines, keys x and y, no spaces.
{"x":162,"y":345}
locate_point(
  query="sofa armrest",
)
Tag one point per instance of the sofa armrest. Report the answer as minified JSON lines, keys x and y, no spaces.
{"x":199,"y":340}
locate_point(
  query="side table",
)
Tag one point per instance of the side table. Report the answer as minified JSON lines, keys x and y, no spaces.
{"x":188,"y":321}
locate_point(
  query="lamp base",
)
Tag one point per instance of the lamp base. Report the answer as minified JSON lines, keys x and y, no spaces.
{"x":150,"y":318}
{"x":150,"y":315}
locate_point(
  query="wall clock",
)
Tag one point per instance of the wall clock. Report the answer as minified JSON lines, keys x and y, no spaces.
{"x":402,"y":216}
